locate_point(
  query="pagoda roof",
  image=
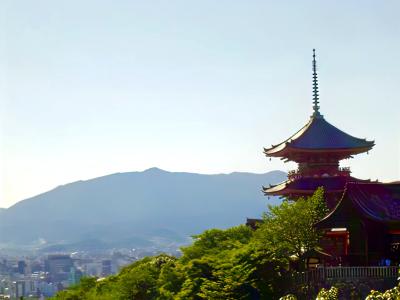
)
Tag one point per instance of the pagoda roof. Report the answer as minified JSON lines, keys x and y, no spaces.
{"x":319,"y":135}
{"x":308,"y":185}
{"x":379,"y":202}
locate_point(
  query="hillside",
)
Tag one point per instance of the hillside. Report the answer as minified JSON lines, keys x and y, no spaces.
{"x":235,"y":263}
{"x":135,"y":208}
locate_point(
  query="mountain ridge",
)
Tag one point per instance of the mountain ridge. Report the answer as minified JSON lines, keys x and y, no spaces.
{"x":136,"y":205}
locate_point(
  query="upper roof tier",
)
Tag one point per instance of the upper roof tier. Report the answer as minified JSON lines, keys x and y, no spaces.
{"x":317,"y":136}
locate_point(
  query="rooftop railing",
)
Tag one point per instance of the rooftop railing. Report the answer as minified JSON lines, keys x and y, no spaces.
{"x":296,"y":174}
{"x":325,"y":274}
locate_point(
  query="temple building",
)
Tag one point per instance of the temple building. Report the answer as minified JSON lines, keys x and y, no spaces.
{"x":363,"y":226}
{"x":318,"y":148}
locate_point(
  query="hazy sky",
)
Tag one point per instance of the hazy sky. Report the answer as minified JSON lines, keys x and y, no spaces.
{"x":89,"y":88}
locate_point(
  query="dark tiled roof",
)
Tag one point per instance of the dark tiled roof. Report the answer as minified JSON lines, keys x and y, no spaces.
{"x":318,"y":134}
{"x":310,"y":184}
{"x":379,"y":202}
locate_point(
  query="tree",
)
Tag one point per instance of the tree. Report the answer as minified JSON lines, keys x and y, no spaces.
{"x":212,"y":267}
{"x":79,"y":291}
{"x":288,"y":229}
{"x":236,"y":263}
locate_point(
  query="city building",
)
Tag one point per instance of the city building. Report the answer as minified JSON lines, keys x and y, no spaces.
{"x":75,"y":276}
{"x":21,"y":267}
{"x":58,"y":266}
{"x":106,"y":267}
{"x":19,"y":289}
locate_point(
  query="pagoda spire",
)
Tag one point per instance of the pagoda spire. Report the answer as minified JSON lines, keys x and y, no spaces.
{"x":316,"y":112}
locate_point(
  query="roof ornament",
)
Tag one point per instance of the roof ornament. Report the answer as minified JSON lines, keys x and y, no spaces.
{"x":315,"y":88}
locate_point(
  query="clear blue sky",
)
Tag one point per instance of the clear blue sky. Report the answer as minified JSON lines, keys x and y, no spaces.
{"x":89,"y":88}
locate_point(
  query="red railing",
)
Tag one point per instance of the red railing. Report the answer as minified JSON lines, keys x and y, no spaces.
{"x":296,"y":174}
{"x":346,"y":273}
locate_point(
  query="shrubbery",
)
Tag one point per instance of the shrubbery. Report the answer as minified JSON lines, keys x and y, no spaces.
{"x":237,"y":263}
{"x":338,"y":292}
{"x":392,"y":294}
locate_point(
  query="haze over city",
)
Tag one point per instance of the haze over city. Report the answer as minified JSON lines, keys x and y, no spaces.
{"x":92,"y":88}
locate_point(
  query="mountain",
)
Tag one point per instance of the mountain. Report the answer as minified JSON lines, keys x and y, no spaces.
{"x":136,"y":209}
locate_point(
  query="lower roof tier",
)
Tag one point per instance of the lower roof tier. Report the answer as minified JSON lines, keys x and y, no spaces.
{"x":308,"y":185}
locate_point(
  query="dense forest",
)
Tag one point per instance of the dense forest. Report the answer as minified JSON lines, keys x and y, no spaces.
{"x":237,"y":263}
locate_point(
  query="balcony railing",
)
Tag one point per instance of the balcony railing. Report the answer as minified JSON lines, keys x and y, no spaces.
{"x":346,"y":273}
{"x":296,"y":174}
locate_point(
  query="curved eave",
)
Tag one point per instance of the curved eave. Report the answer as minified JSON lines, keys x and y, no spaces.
{"x":272,"y":189}
{"x":287,"y":150}
{"x":308,"y":185}
{"x":325,"y":222}
{"x":319,"y":135}
{"x":283,"y":189}
{"x":281,"y":146}
{"x":289,"y":191}
{"x":329,"y":220}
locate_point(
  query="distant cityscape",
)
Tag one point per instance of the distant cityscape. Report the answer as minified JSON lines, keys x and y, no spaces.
{"x":37,"y":261}
{"x":42,"y":275}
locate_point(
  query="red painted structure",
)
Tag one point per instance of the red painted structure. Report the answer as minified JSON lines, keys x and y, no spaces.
{"x":363,"y":226}
{"x":318,"y":148}
{"x":369,"y":215}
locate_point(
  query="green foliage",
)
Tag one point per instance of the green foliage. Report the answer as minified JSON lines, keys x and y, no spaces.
{"x":392,"y":294}
{"x":331,"y":294}
{"x":334,"y":293}
{"x":237,"y":263}
{"x":78,"y":291}
{"x":288,"y":297}
{"x":137,"y":281}
{"x":215,"y":266}
{"x":213,"y":241}
{"x":288,"y":228}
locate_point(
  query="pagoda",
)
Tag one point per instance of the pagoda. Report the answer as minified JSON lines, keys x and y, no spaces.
{"x":317,"y":148}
